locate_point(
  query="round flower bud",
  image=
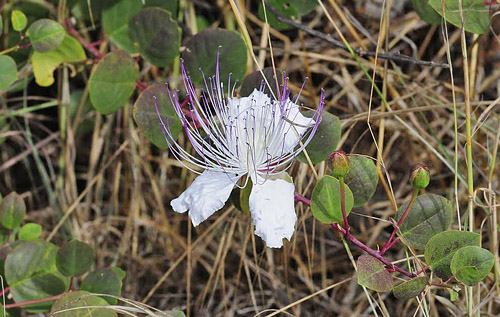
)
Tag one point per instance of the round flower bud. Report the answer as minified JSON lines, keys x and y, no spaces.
{"x":339,"y":163}
{"x":420,"y":176}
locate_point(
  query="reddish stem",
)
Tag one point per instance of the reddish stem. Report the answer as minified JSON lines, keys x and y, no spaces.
{"x":370,"y":251}
{"x":361,"y":245}
{"x":91,"y":47}
{"x":5,"y":290}
{"x":87,"y":45}
{"x":35,"y":301}
{"x":141,"y":85}
{"x":450,"y":279}
{"x":422,"y":270}
{"x":24,"y":46}
{"x":388,"y":243}
{"x":302,"y":199}
{"x":392,"y":243}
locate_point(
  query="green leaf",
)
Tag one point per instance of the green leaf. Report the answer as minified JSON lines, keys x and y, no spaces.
{"x":372,"y":274}
{"x":471,"y":264}
{"x":156,"y":35}
{"x":411,"y":288}
{"x":171,"y":5}
{"x":429,"y":215}
{"x":104,"y":281}
{"x":8,"y":71}
{"x":79,"y":304}
{"x":18,"y":20}
{"x":324,"y":141}
{"x":113,"y":81}
{"x":362,"y":179}
{"x":81,"y":11}
{"x":255,"y":80}
{"x":426,"y":12}
{"x":121,"y":273}
{"x":289,"y":8}
{"x":31,"y":272}
{"x":283,"y":7}
{"x":74,"y":258}
{"x":325,"y":200}
{"x":146,"y":117}
{"x":1,"y":24}
{"x":201,"y":53}
{"x":12,"y":211}
{"x":30,"y":232}
{"x":115,"y":17}
{"x":440,"y":249}
{"x":453,"y":295}
{"x":44,"y":64}
{"x":46,"y":35}
{"x":475,"y":14}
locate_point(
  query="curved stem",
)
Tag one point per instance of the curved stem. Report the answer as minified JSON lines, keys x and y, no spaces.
{"x":370,"y":251}
{"x":35,"y":301}
{"x":388,"y":243}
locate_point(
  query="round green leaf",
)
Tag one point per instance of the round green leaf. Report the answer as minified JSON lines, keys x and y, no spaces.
{"x":46,"y":35}
{"x":156,"y":35}
{"x":44,"y":64}
{"x":146,"y":117}
{"x":475,"y":14}
{"x":471,"y":264}
{"x":362,"y":179}
{"x":325,"y":200}
{"x":283,"y":7}
{"x":30,"y":232}
{"x":115,"y":17}
{"x":255,"y":80}
{"x":372,"y":274}
{"x":12,"y":211}
{"x":74,"y":258}
{"x":426,"y":12}
{"x":325,"y":141}
{"x":104,"y":281}
{"x":201,"y":53}
{"x":8,"y":71}
{"x":411,"y":288}
{"x":289,"y":8}
{"x":121,"y":273}
{"x":31,"y":272}
{"x":18,"y":20}
{"x":113,"y":81}
{"x":429,"y":215}
{"x":79,"y":304}
{"x":440,"y":249}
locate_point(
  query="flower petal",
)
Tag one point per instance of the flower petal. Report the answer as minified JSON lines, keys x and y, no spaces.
{"x":207,"y":194}
{"x":273,"y":210}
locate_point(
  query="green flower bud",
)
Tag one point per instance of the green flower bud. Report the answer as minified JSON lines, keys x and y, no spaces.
{"x":420,"y":176}
{"x":339,"y":163}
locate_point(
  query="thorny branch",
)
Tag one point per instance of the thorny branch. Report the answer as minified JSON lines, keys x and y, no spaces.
{"x":394,"y":57}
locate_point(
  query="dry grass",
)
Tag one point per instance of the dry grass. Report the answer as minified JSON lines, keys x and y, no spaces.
{"x":112,"y":188}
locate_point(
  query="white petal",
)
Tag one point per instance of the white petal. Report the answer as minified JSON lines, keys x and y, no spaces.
{"x":273,"y":210}
{"x":207,"y":194}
